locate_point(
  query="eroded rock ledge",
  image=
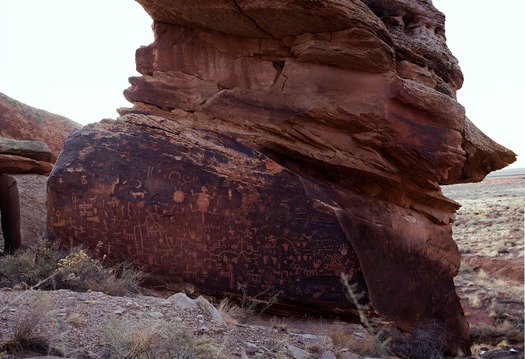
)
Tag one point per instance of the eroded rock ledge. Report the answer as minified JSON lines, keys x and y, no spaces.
{"x":277,"y":144}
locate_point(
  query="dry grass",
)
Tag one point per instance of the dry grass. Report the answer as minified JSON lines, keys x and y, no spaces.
{"x":490,"y":221}
{"x":490,"y":227}
{"x":26,"y":336}
{"x":146,"y":339}
{"x":231,"y":312}
{"x":505,"y":332}
{"x":45,"y":267}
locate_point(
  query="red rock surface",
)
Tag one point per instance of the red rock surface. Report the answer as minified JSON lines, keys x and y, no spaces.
{"x":294,"y":140}
{"x":20,"y":157}
{"x":22,"y":122}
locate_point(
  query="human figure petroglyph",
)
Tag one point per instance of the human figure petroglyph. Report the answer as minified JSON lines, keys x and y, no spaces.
{"x":203,"y":202}
{"x":58,"y":222}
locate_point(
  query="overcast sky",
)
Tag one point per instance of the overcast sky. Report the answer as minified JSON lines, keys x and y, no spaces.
{"x":73,"y":58}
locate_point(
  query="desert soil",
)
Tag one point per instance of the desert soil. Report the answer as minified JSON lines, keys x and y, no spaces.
{"x":488,"y":230}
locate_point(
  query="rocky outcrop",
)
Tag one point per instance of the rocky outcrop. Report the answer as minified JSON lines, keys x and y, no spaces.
{"x":200,"y":209}
{"x":22,"y":122}
{"x":276,"y":144}
{"x":29,"y":157}
{"x":17,"y":157}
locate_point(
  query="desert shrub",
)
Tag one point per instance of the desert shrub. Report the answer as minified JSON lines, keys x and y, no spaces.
{"x":25,"y":337}
{"x":45,"y":267}
{"x":146,"y":339}
{"x":251,"y":305}
{"x":496,"y":333}
{"x":33,"y":267}
{"x":425,"y":341}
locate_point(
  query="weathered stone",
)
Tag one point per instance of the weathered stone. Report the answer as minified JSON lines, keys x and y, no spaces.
{"x":10,"y":213}
{"x":22,"y":122}
{"x":34,"y":129}
{"x":274,"y":145}
{"x":201,"y":206}
{"x":18,"y":165}
{"x":30,"y":149}
{"x":32,"y":198}
{"x":17,"y":157}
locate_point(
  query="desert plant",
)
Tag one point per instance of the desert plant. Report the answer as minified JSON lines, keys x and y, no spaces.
{"x":146,"y":339}
{"x":79,"y":271}
{"x":425,"y":341}
{"x":372,"y":326}
{"x":230,"y":311}
{"x":30,"y":267}
{"x":45,"y":267}
{"x":131,"y":340}
{"x":496,"y":333}
{"x":255,"y":304}
{"x":25,"y":337}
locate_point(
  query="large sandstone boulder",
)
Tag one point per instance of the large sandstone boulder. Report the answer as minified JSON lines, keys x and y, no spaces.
{"x":274,"y":145}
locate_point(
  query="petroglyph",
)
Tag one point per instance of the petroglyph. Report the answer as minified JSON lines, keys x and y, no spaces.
{"x":209,"y":230}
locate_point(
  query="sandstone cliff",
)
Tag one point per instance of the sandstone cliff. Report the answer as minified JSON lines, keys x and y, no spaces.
{"x":276,"y":144}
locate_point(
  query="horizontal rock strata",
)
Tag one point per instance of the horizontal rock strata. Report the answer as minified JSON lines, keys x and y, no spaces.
{"x":20,"y":157}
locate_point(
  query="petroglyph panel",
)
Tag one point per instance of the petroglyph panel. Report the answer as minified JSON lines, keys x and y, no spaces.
{"x":172,"y":208}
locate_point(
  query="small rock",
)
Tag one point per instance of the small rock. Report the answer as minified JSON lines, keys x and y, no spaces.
{"x":131,"y":303}
{"x":360,"y":335}
{"x":250,"y":348}
{"x":328,"y":355}
{"x":207,"y":307}
{"x":183,"y":302}
{"x":156,"y":315}
{"x":297,"y":353}
{"x":119,"y":310}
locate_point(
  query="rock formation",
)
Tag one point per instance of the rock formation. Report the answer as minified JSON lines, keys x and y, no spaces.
{"x":17,"y":157}
{"x":28,"y":124}
{"x":22,"y":122}
{"x":274,"y":145}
